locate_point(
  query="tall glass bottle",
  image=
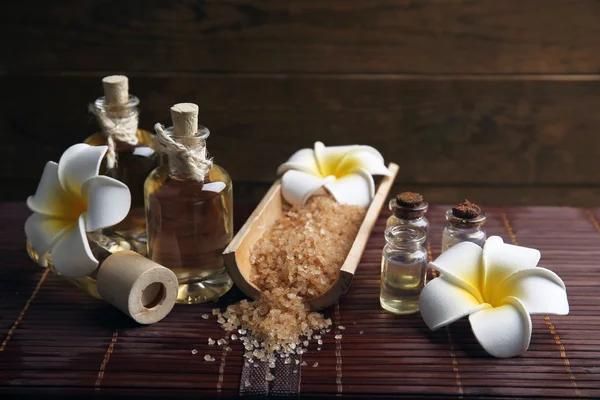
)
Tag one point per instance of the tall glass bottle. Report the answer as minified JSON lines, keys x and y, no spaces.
{"x":409,"y":208}
{"x":464,"y":224}
{"x":131,"y":155}
{"x":189,"y":210}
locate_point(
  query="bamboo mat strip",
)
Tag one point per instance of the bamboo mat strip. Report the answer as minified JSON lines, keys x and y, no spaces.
{"x":547,"y":319}
{"x":338,"y":352}
{"x":109,"y":351}
{"x":63,"y":336}
{"x":15,"y":325}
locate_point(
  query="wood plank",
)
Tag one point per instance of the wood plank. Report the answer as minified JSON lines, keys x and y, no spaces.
{"x":387,"y":36}
{"x":444,"y":133}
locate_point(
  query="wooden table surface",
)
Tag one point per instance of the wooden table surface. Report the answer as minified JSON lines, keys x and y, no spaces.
{"x":58,"y":341}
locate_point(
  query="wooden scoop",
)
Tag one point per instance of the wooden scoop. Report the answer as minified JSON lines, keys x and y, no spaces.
{"x":237,"y":254}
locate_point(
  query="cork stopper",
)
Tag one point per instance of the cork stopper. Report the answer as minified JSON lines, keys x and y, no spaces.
{"x":185,"y":119}
{"x":466,"y":210}
{"x":116,"y":90}
{"x":142,"y":289}
{"x":409,"y":199}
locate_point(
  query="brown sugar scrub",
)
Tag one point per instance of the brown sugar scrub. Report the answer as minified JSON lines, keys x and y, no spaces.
{"x":297,"y":259}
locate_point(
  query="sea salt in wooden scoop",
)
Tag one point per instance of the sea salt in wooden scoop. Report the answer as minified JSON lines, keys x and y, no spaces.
{"x":237,"y":254}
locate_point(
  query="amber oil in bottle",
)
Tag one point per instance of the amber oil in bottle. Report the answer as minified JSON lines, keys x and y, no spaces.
{"x":189,"y":210}
{"x":131,"y":155}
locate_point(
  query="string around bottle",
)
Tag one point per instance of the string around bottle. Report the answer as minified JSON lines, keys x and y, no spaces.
{"x":183,"y":160}
{"x":123,"y":129}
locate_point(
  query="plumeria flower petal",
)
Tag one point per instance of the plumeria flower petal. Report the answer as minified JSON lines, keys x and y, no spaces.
{"x":345,"y":171}
{"x":43,"y":231}
{"x":445,"y":303}
{"x":78,"y":164}
{"x":461,"y":266}
{"x":503,"y":331}
{"x":355,"y":189}
{"x":51,"y":199}
{"x":100,"y":191}
{"x":298,"y":186}
{"x":539,"y":289}
{"x":498,"y":287}
{"x":72,"y":255}
{"x":302,"y":160}
{"x":362,"y":159}
{"x":506,"y":259}
{"x":71,"y":199}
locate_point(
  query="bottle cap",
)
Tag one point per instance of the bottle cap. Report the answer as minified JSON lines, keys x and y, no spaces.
{"x":142,"y":289}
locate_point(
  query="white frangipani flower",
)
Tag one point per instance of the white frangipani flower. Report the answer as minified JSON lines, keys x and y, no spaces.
{"x":498,"y":288}
{"x":345,"y":171}
{"x":71,"y":199}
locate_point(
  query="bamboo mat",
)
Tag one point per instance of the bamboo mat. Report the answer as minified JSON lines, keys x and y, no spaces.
{"x":57,"y":340}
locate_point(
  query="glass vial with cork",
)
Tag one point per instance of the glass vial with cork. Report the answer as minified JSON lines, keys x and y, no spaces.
{"x":409,"y":208}
{"x":131,"y":153}
{"x":464,"y":224}
{"x":189,"y":209}
{"x":403,"y":269}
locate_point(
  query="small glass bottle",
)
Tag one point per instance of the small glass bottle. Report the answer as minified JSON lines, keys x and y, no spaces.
{"x":131,"y":155}
{"x":409,"y":208}
{"x":464,"y":224}
{"x":189,"y":210}
{"x":403,"y":269}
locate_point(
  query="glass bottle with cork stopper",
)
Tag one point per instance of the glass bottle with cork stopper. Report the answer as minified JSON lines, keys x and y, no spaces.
{"x":409,"y":208}
{"x":464,"y":224}
{"x":403,"y":269}
{"x":131,"y":153}
{"x":189,"y":209}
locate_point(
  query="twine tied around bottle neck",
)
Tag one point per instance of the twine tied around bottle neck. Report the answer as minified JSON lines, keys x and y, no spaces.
{"x":116,"y":128}
{"x":189,"y":161}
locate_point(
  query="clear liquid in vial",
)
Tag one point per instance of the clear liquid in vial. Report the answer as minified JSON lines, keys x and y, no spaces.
{"x":401,"y":285}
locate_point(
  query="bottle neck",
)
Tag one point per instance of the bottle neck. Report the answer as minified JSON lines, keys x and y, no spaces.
{"x":119,"y":121}
{"x":404,"y":237}
{"x":182,"y":168}
{"x":465,"y":223}
{"x":408,"y":213}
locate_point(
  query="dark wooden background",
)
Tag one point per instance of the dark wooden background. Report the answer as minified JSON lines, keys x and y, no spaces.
{"x":495,"y":100}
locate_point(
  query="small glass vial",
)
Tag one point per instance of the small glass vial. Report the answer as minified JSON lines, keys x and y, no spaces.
{"x":464,"y":224}
{"x":189,"y":217}
{"x":131,"y":154}
{"x":403,"y":269}
{"x":409,"y":208}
